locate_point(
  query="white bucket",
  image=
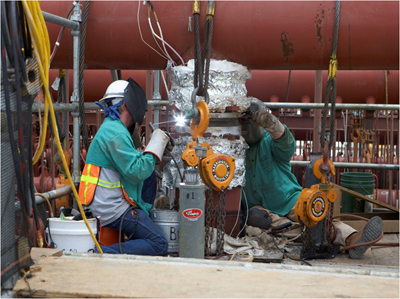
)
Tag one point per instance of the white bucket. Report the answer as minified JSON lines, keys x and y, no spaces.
{"x":71,"y":235}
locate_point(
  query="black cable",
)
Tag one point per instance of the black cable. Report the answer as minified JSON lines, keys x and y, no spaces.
{"x":18,"y":171}
{"x":61,"y":34}
{"x":176,"y":164}
{"x":16,"y":40}
{"x":26,"y":38}
{"x":120,"y":226}
{"x":292,"y":258}
{"x":23,"y":141}
{"x":5,"y":32}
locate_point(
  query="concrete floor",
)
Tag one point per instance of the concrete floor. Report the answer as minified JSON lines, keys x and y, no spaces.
{"x":376,"y":275}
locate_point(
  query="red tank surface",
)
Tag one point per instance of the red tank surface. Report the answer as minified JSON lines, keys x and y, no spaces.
{"x":274,"y":35}
{"x":352,"y":86}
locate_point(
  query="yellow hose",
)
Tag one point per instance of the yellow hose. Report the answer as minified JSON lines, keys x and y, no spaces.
{"x":44,"y":69}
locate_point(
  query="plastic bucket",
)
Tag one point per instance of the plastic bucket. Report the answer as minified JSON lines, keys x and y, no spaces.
{"x":168,"y":222}
{"x":360,"y":182}
{"x":71,"y":235}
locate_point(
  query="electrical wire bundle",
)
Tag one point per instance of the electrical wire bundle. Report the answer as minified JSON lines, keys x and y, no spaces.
{"x":19,"y":80}
{"x":41,"y":51}
{"x":164,"y":53}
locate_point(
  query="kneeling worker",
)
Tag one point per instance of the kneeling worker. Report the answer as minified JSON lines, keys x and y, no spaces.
{"x":271,"y":188}
{"x":118,"y":182}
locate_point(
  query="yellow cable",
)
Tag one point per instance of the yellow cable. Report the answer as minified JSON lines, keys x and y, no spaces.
{"x":43,"y":72}
{"x":36,"y":41}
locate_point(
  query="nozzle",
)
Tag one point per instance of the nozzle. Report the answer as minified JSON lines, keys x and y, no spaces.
{"x":39,"y":238}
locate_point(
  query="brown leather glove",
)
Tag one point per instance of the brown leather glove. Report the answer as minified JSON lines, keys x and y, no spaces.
{"x":269,"y":122}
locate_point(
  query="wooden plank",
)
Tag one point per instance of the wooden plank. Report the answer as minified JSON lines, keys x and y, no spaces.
{"x":39,"y":253}
{"x":366,"y":198}
{"x":118,"y":277}
{"x":389,"y":226}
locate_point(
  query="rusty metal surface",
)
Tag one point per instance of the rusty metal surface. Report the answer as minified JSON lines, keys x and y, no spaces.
{"x":280,"y":35}
{"x":352,"y":86}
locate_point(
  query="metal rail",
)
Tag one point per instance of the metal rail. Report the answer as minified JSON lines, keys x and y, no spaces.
{"x":62,"y":107}
{"x":54,"y":194}
{"x":277,"y":105}
{"x":352,"y":165}
{"x":48,"y":17}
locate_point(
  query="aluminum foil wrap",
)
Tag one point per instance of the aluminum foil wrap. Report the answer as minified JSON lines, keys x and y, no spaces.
{"x":226,"y":86}
{"x":232,"y":148}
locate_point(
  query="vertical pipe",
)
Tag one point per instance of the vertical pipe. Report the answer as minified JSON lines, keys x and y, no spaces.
{"x":149,"y":114}
{"x":114,"y":75}
{"x":317,"y":112}
{"x":75,"y":100}
{"x":156,"y":98}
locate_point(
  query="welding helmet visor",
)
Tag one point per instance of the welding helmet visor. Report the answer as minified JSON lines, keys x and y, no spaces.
{"x":135,"y":101}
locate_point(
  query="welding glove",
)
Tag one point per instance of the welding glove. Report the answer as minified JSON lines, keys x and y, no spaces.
{"x":269,"y":122}
{"x":157,"y":144}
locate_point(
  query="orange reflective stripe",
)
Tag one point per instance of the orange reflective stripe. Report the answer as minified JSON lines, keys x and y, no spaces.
{"x":88,"y":184}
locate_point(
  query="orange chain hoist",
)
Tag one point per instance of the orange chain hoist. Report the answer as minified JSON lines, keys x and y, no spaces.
{"x":216,"y":170}
{"x":313,"y":202}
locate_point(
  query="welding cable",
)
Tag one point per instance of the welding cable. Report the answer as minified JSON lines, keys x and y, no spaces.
{"x":288,"y":256}
{"x":19,"y":160}
{"x":60,"y":34}
{"x":373,"y":242}
{"x":131,"y":208}
{"x":22,"y":144}
{"x":141,"y":36}
{"x":162,"y":40}
{"x":47,"y":201}
{"x":26,"y":38}
{"x":44,"y":75}
{"x":5,"y":32}
{"x":247,"y":213}
{"x":18,"y":170}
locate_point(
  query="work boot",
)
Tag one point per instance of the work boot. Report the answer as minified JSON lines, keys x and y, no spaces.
{"x":258,"y":218}
{"x":371,"y":231}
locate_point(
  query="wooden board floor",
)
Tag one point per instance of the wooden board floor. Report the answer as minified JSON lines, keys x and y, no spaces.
{"x":111,"y":276}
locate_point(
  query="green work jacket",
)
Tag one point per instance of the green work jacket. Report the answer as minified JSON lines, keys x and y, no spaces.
{"x":113,"y":148}
{"x":269,"y":180}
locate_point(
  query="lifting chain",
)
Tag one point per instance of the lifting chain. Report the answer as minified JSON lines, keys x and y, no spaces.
{"x":330,"y":228}
{"x":221,"y":215}
{"x":209,"y":236}
{"x":215,"y":218}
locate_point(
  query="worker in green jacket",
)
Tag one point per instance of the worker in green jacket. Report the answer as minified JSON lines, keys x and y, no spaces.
{"x":271,"y":190}
{"x":118,"y":183}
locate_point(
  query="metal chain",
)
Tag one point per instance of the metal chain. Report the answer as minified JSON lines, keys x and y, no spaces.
{"x":208,"y":227}
{"x":219,"y":223}
{"x":330,"y":229}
